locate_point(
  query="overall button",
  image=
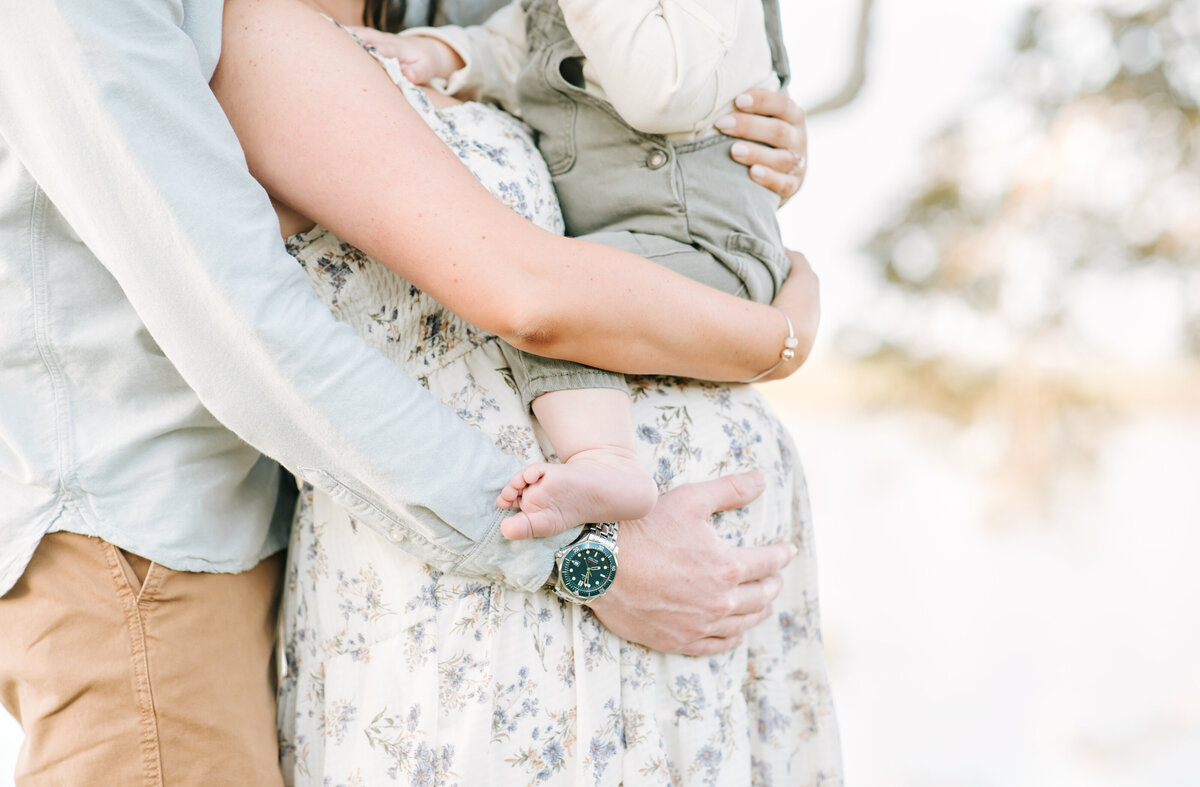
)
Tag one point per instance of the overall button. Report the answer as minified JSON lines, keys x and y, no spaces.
{"x":656,"y":159}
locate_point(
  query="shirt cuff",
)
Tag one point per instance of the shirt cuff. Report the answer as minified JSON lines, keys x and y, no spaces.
{"x":464,"y":81}
{"x":526,"y":564}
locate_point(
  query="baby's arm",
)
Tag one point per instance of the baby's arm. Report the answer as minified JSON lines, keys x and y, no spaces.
{"x":488,"y":56}
{"x":422,"y":59}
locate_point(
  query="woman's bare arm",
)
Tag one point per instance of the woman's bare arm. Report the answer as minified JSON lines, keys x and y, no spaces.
{"x":330,"y":136}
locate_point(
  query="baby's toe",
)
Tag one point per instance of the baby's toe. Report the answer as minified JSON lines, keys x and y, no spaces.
{"x":545,"y":523}
{"x":533,"y":474}
{"x":516,"y":527}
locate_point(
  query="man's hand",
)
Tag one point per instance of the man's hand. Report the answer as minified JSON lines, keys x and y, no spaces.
{"x":776,"y":150}
{"x":422,"y":59}
{"x":680,"y":588}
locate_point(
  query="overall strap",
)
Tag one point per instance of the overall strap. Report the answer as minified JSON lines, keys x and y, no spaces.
{"x":779,"y":58}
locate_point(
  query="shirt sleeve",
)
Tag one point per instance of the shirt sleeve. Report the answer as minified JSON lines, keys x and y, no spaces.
{"x":108,"y":107}
{"x":664,"y":65}
{"x":493,"y":54}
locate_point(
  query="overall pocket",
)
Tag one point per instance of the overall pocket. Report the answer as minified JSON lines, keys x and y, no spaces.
{"x":764,"y":266}
{"x":549,"y":108}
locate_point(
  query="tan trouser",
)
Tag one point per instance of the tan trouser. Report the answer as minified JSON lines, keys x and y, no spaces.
{"x":119,"y":680}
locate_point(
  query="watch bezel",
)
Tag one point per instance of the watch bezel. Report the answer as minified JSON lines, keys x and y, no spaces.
{"x":589,"y":540}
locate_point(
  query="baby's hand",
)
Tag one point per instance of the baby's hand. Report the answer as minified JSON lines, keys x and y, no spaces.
{"x":421,"y":59}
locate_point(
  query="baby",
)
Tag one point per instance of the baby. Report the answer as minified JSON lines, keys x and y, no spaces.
{"x":623,"y":98}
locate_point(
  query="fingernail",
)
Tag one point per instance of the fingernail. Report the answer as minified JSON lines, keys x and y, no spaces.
{"x":744,"y":101}
{"x":725,"y":123}
{"x":758,"y":171}
{"x":795,"y":549}
{"x":740,"y":150}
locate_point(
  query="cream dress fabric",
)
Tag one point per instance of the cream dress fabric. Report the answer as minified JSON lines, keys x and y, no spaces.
{"x":398,"y":674}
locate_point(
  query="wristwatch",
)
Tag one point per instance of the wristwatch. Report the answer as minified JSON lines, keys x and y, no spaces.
{"x":586,"y":567}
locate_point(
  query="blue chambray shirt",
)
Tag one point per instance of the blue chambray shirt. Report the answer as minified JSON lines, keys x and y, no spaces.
{"x":155,"y":337}
{"x":451,"y":12}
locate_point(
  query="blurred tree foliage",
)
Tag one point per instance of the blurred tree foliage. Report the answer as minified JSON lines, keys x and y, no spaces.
{"x":1057,"y":223}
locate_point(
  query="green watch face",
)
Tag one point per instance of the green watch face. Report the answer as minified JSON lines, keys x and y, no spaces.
{"x":588,"y":569}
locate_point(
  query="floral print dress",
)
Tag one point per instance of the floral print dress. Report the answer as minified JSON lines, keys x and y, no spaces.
{"x":395,"y":673}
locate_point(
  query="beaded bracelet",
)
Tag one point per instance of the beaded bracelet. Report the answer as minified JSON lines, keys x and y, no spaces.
{"x":786,"y":354}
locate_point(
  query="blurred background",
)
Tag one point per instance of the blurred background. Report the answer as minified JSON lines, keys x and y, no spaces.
{"x":1001,"y":422}
{"x":1002,"y":415}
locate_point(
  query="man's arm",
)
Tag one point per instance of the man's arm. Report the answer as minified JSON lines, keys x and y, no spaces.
{"x":108,"y":106}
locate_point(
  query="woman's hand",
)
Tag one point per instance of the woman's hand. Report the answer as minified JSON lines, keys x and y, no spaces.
{"x":800,"y":299}
{"x":776,"y":146}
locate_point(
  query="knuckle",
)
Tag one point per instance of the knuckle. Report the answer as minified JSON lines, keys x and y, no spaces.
{"x":756,"y":612}
{"x":739,"y":485}
{"x":754,"y":153}
{"x":687,"y":494}
{"x":727,"y":573}
{"x":774,"y":586}
{"x":666,"y":640}
{"x":738,"y":625}
{"x":692,"y":632}
{"x":793,"y":138}
{"x":681,"y":633}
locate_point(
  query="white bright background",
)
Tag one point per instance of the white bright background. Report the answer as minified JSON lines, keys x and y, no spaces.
{"x":1058,"y":649}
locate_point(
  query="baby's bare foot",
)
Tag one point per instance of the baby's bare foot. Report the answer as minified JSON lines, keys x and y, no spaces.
{"x":595,"y":485}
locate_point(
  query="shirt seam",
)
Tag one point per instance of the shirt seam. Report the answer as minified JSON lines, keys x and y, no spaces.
{"x":336,"y":488}
{"x":41,"y":333}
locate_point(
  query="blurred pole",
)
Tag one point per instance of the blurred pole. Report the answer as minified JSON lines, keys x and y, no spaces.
{"x":858,"y":66}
